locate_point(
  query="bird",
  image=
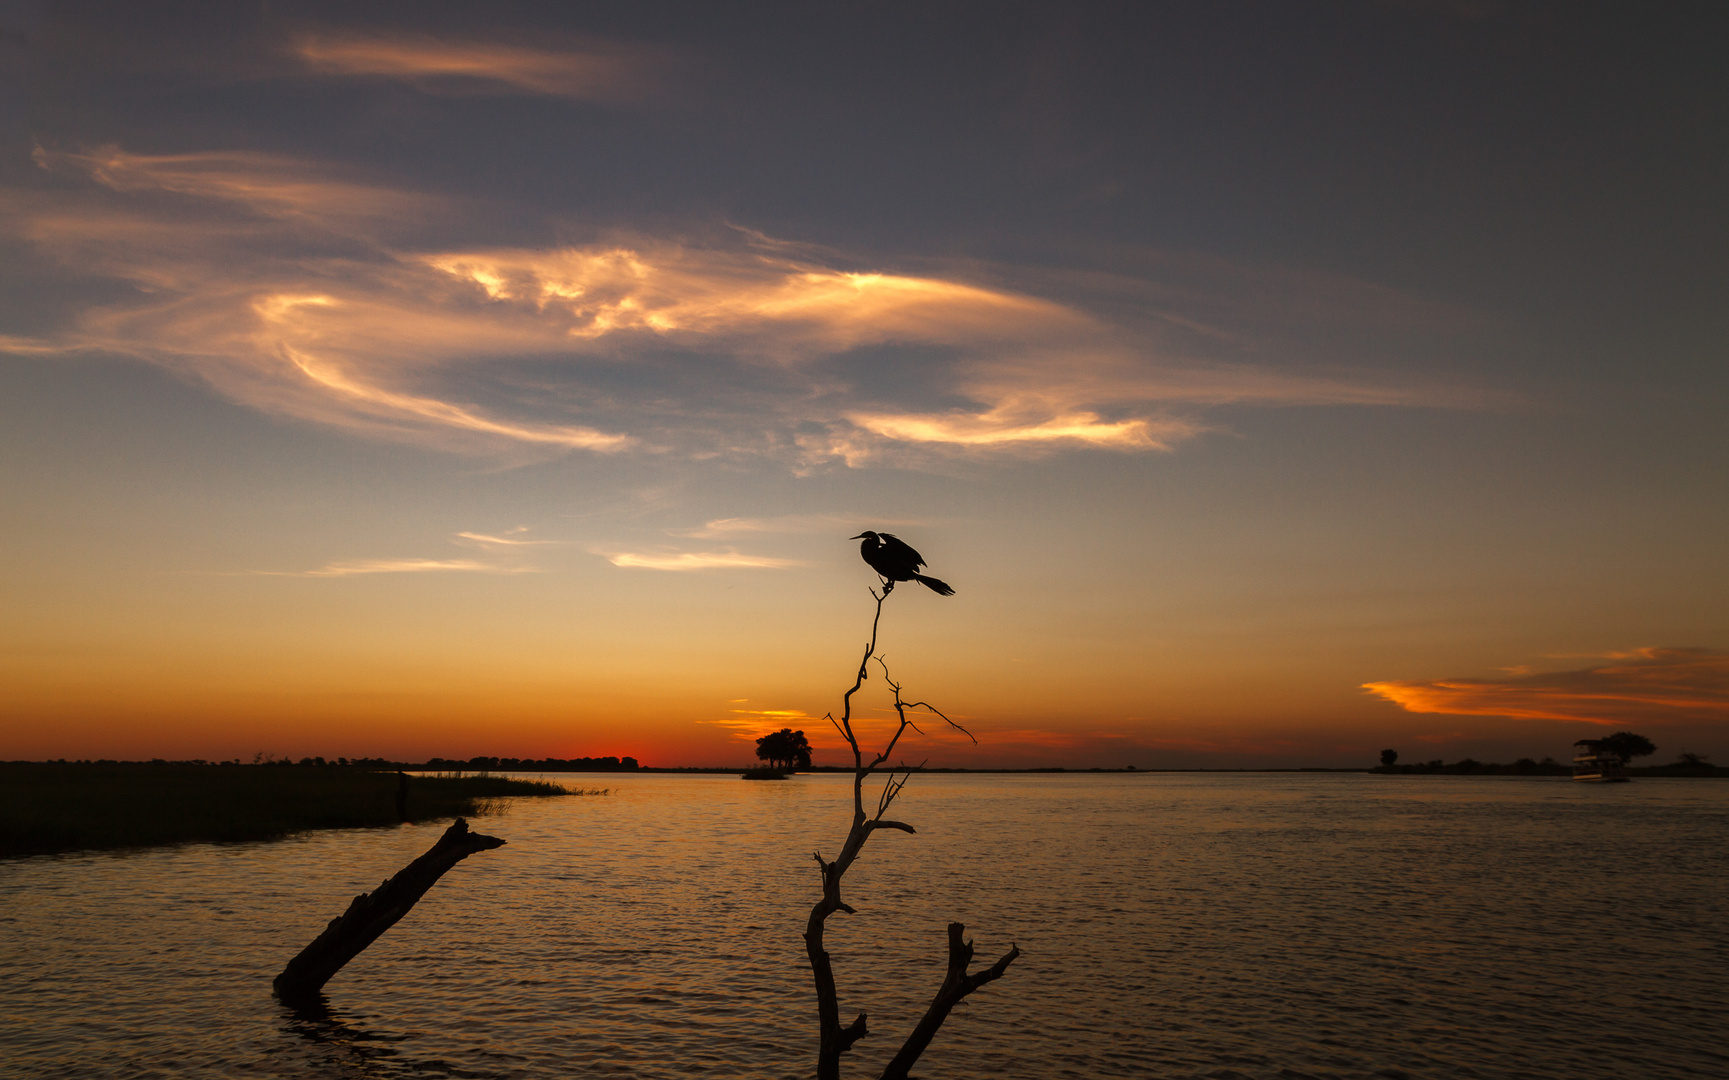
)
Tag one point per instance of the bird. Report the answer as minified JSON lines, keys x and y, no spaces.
{"x":895,"y":560}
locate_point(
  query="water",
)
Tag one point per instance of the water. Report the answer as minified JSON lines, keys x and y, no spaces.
{"x":1171,"y":925}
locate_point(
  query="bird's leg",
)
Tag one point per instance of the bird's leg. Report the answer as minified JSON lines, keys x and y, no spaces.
{"x":888,"y":587}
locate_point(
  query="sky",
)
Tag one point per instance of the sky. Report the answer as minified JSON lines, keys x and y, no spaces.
{"x":1274,"y":382}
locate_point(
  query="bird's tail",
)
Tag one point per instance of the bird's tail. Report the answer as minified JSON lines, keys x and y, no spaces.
{"x":936,"y":585}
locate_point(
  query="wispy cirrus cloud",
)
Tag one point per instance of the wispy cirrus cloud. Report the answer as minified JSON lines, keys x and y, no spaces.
{"x":595,"y":70}
{"x":1013,"y":424}
{"x":698,"y":560}
{"x":271,"y":185}
{"x":702,"y":294}
{"x":506,"y":548}
{"x":1653,"y":685}
{"x":783,"y":524}
{"x":512,"y":539}
{"x":27,"y":346}
{"x":748,"y":725}
{"x":297,"y":290}
{"x":358,"y":567}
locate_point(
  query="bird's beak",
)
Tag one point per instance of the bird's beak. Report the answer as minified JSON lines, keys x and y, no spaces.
{"x":860,"y":536}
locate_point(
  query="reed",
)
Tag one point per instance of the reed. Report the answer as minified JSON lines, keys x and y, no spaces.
{"x":52,"y":807}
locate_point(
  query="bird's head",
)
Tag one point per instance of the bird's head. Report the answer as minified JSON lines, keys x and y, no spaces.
{"x":866,"y":535}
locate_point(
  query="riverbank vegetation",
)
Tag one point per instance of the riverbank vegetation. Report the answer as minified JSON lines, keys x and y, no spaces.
{"x":53,"y":806}
{"x":1686,"y":765}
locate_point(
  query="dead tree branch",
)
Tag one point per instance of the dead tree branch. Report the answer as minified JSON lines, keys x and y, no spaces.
{"x":956,"y":985}
{"x":369,"y":915}
{"x":835,"y":1040}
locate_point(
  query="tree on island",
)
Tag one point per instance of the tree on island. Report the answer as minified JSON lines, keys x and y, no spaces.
{"x":1389,"y":758}
{"x":1627,"y":746}
{"x":784,"y":749}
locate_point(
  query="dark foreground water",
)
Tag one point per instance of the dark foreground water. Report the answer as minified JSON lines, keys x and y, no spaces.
{"x":1172,"y":926}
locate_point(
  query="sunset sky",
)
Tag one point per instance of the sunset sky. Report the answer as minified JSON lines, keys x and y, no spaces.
{"x":1274,"y":382}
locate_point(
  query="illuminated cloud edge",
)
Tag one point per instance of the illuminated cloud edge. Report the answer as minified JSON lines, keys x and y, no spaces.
{"x":1651,"y":685}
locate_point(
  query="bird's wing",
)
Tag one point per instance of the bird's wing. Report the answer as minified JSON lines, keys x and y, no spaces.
{"x":903,"y":549}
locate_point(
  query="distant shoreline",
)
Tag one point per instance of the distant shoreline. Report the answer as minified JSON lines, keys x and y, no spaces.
{"x":53,"y":807}
{"x":1689,"y":771}
{"x":629,"y":766}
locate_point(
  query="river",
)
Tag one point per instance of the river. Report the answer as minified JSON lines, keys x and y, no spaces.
{"x":1171,"y":925}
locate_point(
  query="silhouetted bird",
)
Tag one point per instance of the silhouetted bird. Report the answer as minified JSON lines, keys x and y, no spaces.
{"x":889,"y":556}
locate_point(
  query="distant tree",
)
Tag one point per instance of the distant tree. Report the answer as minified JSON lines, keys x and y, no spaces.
{"x":1627,"y":746}
{"x":784,"y":749}
{"x":1389,"y":758}
{"x":1687,"y":758}
{"x":771,"y":747}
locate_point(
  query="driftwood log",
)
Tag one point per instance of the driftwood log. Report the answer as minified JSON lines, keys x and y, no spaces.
{"x":833,"y":1040}
{"x":369,"y":915}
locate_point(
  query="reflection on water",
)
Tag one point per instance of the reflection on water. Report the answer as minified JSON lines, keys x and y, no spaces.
{"x":1172,"y":925}
{"x":344,"y":1049}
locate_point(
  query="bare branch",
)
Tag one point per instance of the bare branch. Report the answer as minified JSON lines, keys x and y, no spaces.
{"x":853,"y":1033}
{"x":951,"y":723}
{"x":891,"y":788}
{"x":835,"y":1040}
{"x":995,"y":971}
{"x":901,"y":825}
{"x":957,"y":984}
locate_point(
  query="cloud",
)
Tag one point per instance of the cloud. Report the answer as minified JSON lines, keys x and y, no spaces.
{"x":999,"y":428}
{"x":357,"y":567}
{"x":689,"y":294}
{"x":596,"y":71}
{"x":748,"y":725}
{"x":512,"y":540}
{"x":297,"y":289}
{"x":23,"y":346}
{"x":367,"y":398}
{"x":698,"y":560}
{"x":785,"y":524}
{"x":874,"y":728}
{"x":1647,"y":686}
{"x":267,"y":184}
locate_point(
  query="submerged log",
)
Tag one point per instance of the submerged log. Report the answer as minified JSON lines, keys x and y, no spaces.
{"x":369,"y":915}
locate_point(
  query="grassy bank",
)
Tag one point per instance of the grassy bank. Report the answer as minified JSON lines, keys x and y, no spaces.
{"x":48,"y":807}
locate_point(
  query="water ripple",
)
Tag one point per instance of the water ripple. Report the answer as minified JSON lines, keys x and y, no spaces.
{"x":1172,"y":926}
